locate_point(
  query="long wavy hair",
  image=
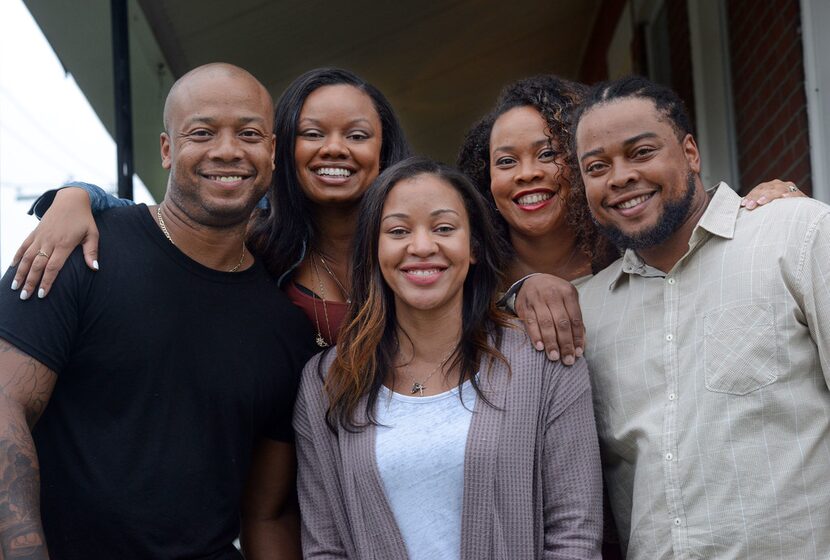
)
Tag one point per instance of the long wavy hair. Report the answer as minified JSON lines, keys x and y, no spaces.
{"x":556,"y":99}
{"x":279,"y":234}
{"x":368,"y":341}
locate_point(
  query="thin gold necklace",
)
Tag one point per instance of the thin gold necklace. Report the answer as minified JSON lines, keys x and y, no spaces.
{"x":170,"y":239}
{"x":331,"y":273}
{"x":420,"y":386}
{"x":321,"y":342}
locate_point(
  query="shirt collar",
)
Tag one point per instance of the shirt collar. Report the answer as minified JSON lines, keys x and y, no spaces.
{"x":718,"y":219}
{"x":722,"y":213}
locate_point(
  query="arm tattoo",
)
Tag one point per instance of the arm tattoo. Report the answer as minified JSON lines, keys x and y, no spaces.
{"x":29,"y":380}
{"x":25,"y":387}
{"x":21,"y":535}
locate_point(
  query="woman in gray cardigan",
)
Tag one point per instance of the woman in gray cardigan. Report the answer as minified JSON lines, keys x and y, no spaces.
{"x":434,"y":430}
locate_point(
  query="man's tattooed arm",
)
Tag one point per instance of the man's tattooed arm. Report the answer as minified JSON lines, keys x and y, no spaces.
{"x":25,"y":388}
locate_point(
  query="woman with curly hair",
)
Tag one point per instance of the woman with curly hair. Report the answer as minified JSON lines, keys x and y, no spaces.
{"x":518,"y":158}
{"x":433,"y":430}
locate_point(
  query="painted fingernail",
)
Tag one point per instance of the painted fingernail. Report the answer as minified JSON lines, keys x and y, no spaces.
{"x":762,"y":200}
{"x":579,"y":352}
{"x":95,"y":265}
{"x":539,"y":346}
{"x":24,"y":295}
{"x":15,"y":285}
{"x":553,"y":355}
{"x":743,"y":202}
{"x":568,"y":360}
{"x":41,"y":293}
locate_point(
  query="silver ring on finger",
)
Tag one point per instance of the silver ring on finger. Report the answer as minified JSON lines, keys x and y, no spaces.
{"x":40,"y":253}
{"x":792,"y":187}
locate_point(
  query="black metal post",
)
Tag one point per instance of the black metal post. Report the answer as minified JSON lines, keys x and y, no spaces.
{"x":123,"y":98}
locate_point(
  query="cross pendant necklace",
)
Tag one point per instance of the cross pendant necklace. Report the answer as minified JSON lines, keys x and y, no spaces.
{"x":420,"y":386}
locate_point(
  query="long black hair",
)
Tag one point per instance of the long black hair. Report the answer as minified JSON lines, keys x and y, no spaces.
{"x":368,"y":339}
{"x":279,"y":234}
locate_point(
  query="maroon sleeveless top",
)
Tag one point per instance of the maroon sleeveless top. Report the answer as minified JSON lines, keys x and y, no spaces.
{"x":313,"y":308}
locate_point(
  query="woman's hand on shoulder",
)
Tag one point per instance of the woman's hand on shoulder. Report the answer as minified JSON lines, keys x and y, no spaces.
{"x":549,"y":308}
{"x":769,"y":191}
{"x":67,"y":224}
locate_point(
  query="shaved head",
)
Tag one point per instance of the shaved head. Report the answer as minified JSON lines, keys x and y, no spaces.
{"x":207,"y":74}
{"x":218,"y":144}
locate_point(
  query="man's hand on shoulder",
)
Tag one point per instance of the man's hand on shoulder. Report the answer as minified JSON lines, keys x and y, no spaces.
{"x":549,"y":308}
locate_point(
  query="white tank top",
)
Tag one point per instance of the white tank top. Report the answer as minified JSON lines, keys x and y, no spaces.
{"x":419,"y":449}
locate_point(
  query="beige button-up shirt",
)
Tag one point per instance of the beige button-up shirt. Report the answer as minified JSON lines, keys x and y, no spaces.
{"x":711,"y":387}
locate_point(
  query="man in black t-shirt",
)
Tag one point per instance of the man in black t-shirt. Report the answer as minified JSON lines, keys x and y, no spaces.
{"x":170,"y":374}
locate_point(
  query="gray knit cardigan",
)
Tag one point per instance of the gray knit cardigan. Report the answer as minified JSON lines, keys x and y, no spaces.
{"x":532,"y":479}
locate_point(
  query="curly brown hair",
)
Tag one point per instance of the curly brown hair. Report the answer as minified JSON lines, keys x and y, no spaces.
{"x":556,"y":99}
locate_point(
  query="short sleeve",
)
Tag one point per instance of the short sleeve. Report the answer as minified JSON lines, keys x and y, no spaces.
{"x":45,"y":329}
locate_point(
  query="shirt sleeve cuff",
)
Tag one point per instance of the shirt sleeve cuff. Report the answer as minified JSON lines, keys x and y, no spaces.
{"x":508,"y":300}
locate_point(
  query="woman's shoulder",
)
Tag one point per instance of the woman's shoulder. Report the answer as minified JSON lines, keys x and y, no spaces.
{"x":312,"y":403}
{"x":316,"y":370}
{"x":531,"y":367}
{"x":321,"y":361}
{"x":513,"y":336}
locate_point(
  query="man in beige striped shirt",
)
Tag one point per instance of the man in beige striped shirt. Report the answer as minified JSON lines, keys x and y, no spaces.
{"x":710,"y":344}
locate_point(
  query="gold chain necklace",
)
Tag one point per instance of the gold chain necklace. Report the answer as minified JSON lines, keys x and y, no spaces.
{"x":331,"y":273}
{"x":321,"y":342}
{"x":419,"y":386}
{"x":170,"y":239}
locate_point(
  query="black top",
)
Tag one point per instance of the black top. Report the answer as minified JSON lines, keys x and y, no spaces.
{"x":168,"y":374}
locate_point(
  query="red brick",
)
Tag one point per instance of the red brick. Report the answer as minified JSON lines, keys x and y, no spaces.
{"x":768,"y":89}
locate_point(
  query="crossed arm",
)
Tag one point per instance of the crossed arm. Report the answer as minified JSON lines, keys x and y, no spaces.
{"x":25,"y":388}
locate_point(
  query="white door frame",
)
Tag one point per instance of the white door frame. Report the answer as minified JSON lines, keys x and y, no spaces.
{"x":711,"y":75}
{"x":815,"y":20}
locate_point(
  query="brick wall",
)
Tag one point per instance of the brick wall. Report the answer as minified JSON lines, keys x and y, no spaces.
{"x":768,"y":87}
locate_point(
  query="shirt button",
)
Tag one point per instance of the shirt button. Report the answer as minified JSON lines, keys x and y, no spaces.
{"x":669,"y":456}
{"x":672,"y":396}
{"x":669,"y":337}
{"x":671,"y":281}
{"x":677,"y":521}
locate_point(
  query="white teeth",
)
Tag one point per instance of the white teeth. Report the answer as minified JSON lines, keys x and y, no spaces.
{"x":534,"y":198}
{"x":226,"y":179}
{"x":334,"y":172}
{"x":423,"y":272}
{"x":633,"y":202}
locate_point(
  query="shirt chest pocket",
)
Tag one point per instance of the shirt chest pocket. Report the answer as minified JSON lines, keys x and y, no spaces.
{"x":740,"y":348}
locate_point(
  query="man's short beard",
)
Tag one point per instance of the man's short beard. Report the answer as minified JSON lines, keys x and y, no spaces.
{"x":673,"y":216}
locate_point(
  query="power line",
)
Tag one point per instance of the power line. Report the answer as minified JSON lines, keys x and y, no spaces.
{"x":38,"y":151}
{"x":46,"y":133}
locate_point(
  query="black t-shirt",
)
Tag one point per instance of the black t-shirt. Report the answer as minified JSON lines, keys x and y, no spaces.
{"x":168,"y":375}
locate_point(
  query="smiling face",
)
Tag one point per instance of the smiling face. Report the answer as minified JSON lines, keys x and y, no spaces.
{"x":337,"y":148}
{"x":641,"y":181}
{"x":218,"y":144}
{"x":424,"y":247}
{"x":528,"y":177}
